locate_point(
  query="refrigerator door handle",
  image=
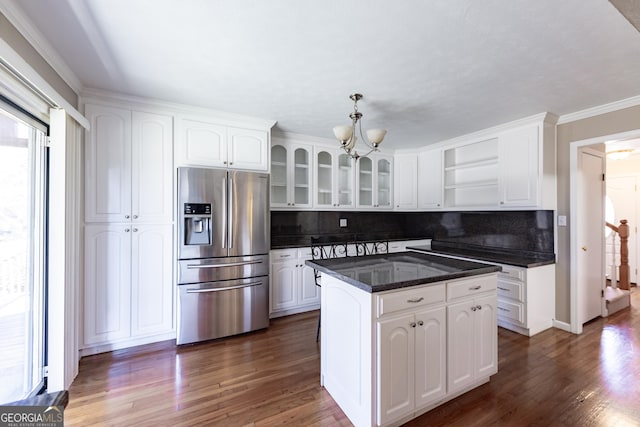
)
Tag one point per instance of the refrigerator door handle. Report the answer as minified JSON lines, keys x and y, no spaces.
{"x":230,"y":264}
{"x":226,"y":288}
{"x":224,"y":215}
{"x":230,"y":214}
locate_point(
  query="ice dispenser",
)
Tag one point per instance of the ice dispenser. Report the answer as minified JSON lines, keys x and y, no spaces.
{"x":197,"y":224}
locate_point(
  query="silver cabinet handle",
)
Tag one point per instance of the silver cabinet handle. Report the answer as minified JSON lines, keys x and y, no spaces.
{"x":230,"y":218}
{"x":412,"y":324}
{"x":503,"y":309}
{"x":415,"y":299}
{"x":284,"y":256}
{"x":504,"y":289}
{"x":224,"y":215}
{"x":475,"y":288}
{"x":230,"y":264}
{"x":420,"y":323}
{"x":226,"y":288}
{"x":473,"y":308}
{"x":479,"y":307}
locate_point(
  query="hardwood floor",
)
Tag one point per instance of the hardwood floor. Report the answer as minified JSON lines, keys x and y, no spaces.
{"x":271,"y":378}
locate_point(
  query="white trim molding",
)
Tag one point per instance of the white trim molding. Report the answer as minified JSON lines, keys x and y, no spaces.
{"x":600,"y":109}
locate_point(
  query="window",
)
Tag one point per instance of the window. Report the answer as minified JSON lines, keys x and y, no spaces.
{"x":23,"y":180}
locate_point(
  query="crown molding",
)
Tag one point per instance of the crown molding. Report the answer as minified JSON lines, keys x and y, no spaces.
{"x":90,"y":95}
{"x":11,"y":10}
{"x":599,"y":110}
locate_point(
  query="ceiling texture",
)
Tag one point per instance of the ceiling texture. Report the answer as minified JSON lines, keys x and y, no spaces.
{"x":429,"y":70}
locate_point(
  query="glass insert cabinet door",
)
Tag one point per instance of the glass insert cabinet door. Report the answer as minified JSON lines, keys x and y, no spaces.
{"x":290,"y":176}
{"x":383,"y":186}
{"x":324,"y":179}
{"x":345,"y":181}
{"x":365,"y":182}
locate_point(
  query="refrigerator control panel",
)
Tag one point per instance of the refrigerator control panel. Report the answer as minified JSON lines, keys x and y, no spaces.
{"x":197,"y":208}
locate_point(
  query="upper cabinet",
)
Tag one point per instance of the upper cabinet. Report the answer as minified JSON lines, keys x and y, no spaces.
{"x":291,"y":175}
{"x":430,"y":179}
{"x":334,"y":180}
{"x":374,"y":182}
{"x":405,"y":188}
{"x":202,"y":143}
{"x":128,"y":166}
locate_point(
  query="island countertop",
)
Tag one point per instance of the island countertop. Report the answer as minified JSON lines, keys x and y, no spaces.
{"x":376,"y":273}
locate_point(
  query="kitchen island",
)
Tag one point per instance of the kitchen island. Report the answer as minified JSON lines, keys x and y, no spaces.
{"x":405,"y":332}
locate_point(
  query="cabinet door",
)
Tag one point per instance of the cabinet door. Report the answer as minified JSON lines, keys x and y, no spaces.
{"x":460,"y":345}
{"x":280,"y":176}
{"x":486,"y":350}
{"x":345,"y":173}
{"x":108,"y":165}
{"x":430,"y":179}
{"x":107,"y":302}
{"x":284,"y":290}
{"x":151,"y":279}
{"x":200,"y":143}
{"x":519,"y":167}
{"x":248,"y":149}
{"x":395,"y":368}
{"x":405,"y":193}
{"x":301,"y":177}
{"x":383,"y":182}
{"x":309,"y":292}
{"x":324,"y":182}
{"x":152,"y":166}
{"x":431,"y":356}
{"x":364,"y":182}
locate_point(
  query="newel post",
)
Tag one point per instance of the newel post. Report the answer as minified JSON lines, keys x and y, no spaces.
{"x":623,"y":232}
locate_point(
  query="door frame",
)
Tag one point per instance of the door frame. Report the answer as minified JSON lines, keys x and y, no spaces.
{"x":574,"y":149}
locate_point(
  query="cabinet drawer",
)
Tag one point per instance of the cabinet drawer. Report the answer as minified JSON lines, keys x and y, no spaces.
{"x":283,"y":254}
{"x":304,"y":253}
{"x":511,"y":272}
{"x":412,"y":298}
{"x":470,"y":287}
{"x":513,"y":290}
{"x":511,"y":312}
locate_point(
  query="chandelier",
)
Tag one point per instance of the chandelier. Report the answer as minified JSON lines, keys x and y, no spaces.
{"x":347,"y":134}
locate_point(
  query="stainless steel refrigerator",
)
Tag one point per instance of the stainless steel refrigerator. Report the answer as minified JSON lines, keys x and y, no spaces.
{"x":223,"y":253}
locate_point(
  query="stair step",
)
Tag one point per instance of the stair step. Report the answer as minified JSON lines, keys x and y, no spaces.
{"x":617,"y":299}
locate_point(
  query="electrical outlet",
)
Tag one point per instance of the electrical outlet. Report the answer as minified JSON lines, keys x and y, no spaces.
{"x":343,"y":222}
{"x":562,"y":220}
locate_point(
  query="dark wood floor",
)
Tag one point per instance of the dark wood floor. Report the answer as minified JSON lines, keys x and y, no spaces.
{"x":271,"y":378}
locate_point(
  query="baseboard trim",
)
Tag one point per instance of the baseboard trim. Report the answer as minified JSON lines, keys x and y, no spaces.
{"x":562,"y":325}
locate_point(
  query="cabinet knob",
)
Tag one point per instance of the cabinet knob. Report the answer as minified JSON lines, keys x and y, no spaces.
{"x":412,"y":324}
{"x":479,"y":307}
{"x":126,"y":216}
{"x":224,"y":163}
{"x":135,"y":230}
{"x":420,"y":323}
{"x":473,"y":308}
{"x":230,"y":163}
{"x":502,"y":203}
{"x":126,"y":230}
{"x":135,"y":217}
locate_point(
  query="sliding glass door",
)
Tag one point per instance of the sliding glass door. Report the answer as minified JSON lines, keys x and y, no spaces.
{"x":22,"y":255}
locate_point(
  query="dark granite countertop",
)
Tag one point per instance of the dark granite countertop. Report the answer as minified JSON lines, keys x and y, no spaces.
{"x":515,"y":258}
{"x":376,"y":273}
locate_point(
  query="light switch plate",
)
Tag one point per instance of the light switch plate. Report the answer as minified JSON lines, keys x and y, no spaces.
{"x":343,"y":222}
{"x":562,"y":220}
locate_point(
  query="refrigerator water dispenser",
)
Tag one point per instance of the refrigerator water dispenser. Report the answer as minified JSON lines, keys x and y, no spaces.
{"x":197,"y":224}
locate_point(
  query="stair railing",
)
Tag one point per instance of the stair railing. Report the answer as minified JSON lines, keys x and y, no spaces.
{"x":624,"y":272}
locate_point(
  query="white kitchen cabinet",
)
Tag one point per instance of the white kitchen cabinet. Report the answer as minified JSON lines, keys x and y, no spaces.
{"x":405,"y":181}
{"x":334,"y":180}
{"x":128,"y":166}
{"x":291,"y":175}
{"x":430,"y":179}
{"x":151,"y":279}
{"x":199,"y":142}
{"x":128,"y":283}
{"x":519,"y":163}
{"x":107,"y":291}
{"x":293,"y":288}
{"x":472,"y":332}
{"x":411,"y":362}
{"x":526,"y":298}
{"x":373,"y":182}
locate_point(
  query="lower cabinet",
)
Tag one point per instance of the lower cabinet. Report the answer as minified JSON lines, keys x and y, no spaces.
{"x":388,"y":357}
{"x":411,"y":362}
{"x":293,"y":287}
{"x":128,"y":294}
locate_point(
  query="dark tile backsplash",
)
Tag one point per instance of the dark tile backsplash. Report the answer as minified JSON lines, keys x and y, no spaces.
{"x":513,"y":230}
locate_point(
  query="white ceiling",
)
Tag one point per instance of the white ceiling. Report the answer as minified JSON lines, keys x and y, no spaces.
{"x":429,"y":70}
